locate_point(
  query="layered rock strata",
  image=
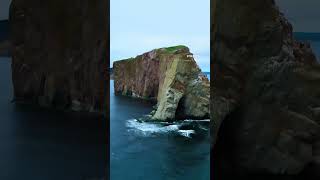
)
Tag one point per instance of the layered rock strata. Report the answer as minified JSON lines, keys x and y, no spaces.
{"x":59,"y":53}
{"x":169,"y":76}
{"x":265,"y":95}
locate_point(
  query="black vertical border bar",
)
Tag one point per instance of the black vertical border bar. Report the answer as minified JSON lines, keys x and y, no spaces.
{"x":213,"y":28}
{"x":107,"y":88}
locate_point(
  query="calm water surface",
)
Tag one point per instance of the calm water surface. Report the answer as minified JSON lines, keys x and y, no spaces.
{"x":41,"y":145}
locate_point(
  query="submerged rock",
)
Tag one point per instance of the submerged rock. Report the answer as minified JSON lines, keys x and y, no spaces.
{"x":265,"y":93}
{"x":59,"y":53}
{"x":169,"y":76}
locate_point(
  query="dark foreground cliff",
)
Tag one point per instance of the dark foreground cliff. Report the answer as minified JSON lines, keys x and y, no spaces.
{"x":265,"y":93}
{"x":5,"y":48}
{"x":59,"y":53}
{"x":169,"y":76}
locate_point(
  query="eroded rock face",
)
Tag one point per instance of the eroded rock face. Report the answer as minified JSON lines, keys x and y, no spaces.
{"x":171,"y":77}
{"x":59,"y":53}
{"x":265,"y":92}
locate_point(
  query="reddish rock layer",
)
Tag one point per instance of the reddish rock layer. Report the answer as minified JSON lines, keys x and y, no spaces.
{"x":138,"y":77}
{"x":171,"y":77}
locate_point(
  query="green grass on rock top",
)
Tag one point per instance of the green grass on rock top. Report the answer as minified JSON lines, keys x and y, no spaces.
{"x":173,"y":49}
{"x":166,"y":50}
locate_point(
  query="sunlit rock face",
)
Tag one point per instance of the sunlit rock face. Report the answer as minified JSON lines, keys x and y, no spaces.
{"x":169,"y":76}
{"x":59,"y":53}
{"x":265,"y":95}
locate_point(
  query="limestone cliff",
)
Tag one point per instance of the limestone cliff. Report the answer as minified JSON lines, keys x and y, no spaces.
{"x":59,"y":53}
{"x":169,"y":76}
{"x":265,"y":93}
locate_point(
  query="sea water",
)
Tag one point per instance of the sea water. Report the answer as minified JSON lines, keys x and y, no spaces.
{"x":313,"y":39}
{"x":37,"y":144}
{"x":153,"y":151}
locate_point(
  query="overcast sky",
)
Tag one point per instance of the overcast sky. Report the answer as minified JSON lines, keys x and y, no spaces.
{"x":4,"y":9}
{"x":138,"y":26}
{"x":142,"y":25}
{"x":303,"y":14}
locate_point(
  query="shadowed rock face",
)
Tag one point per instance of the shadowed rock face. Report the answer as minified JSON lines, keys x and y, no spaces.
{"x":265,"y":95}
{"x":171,"y":77}
{"x":59,"y":53}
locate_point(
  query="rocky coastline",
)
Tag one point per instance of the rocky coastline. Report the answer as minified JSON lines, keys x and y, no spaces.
{"x":265,"y":94}
{"x":168,"y":76}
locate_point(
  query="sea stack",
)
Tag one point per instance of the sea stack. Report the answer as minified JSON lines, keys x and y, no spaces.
{"x":265,"y":94}
{"x":169,"y":76}
{"x":59,"y":54}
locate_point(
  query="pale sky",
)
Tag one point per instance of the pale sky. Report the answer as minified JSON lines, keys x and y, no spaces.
{"x":142,"y":25}
{"x":138,"y":26}
{"x":4,"y":9}
{"x":303,"y":14}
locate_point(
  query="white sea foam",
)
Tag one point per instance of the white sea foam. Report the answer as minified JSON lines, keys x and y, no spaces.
{"x":151,"y":129}
{"x":186,"y":133}
{"x":191,"y":120}
{"x":148,"y":128}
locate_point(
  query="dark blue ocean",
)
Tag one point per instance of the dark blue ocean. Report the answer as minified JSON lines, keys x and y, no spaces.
{"x":36,"y":144}
{"x":148,"y":151}
{"x":4,"y":30}
{"x":313,"y":39}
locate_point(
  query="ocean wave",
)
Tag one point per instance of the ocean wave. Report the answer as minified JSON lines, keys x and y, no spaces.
{"x":147,"y":128}
{"x":191,"y":120}
{"x":186,"y":133}
{"x":150,"y":129}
